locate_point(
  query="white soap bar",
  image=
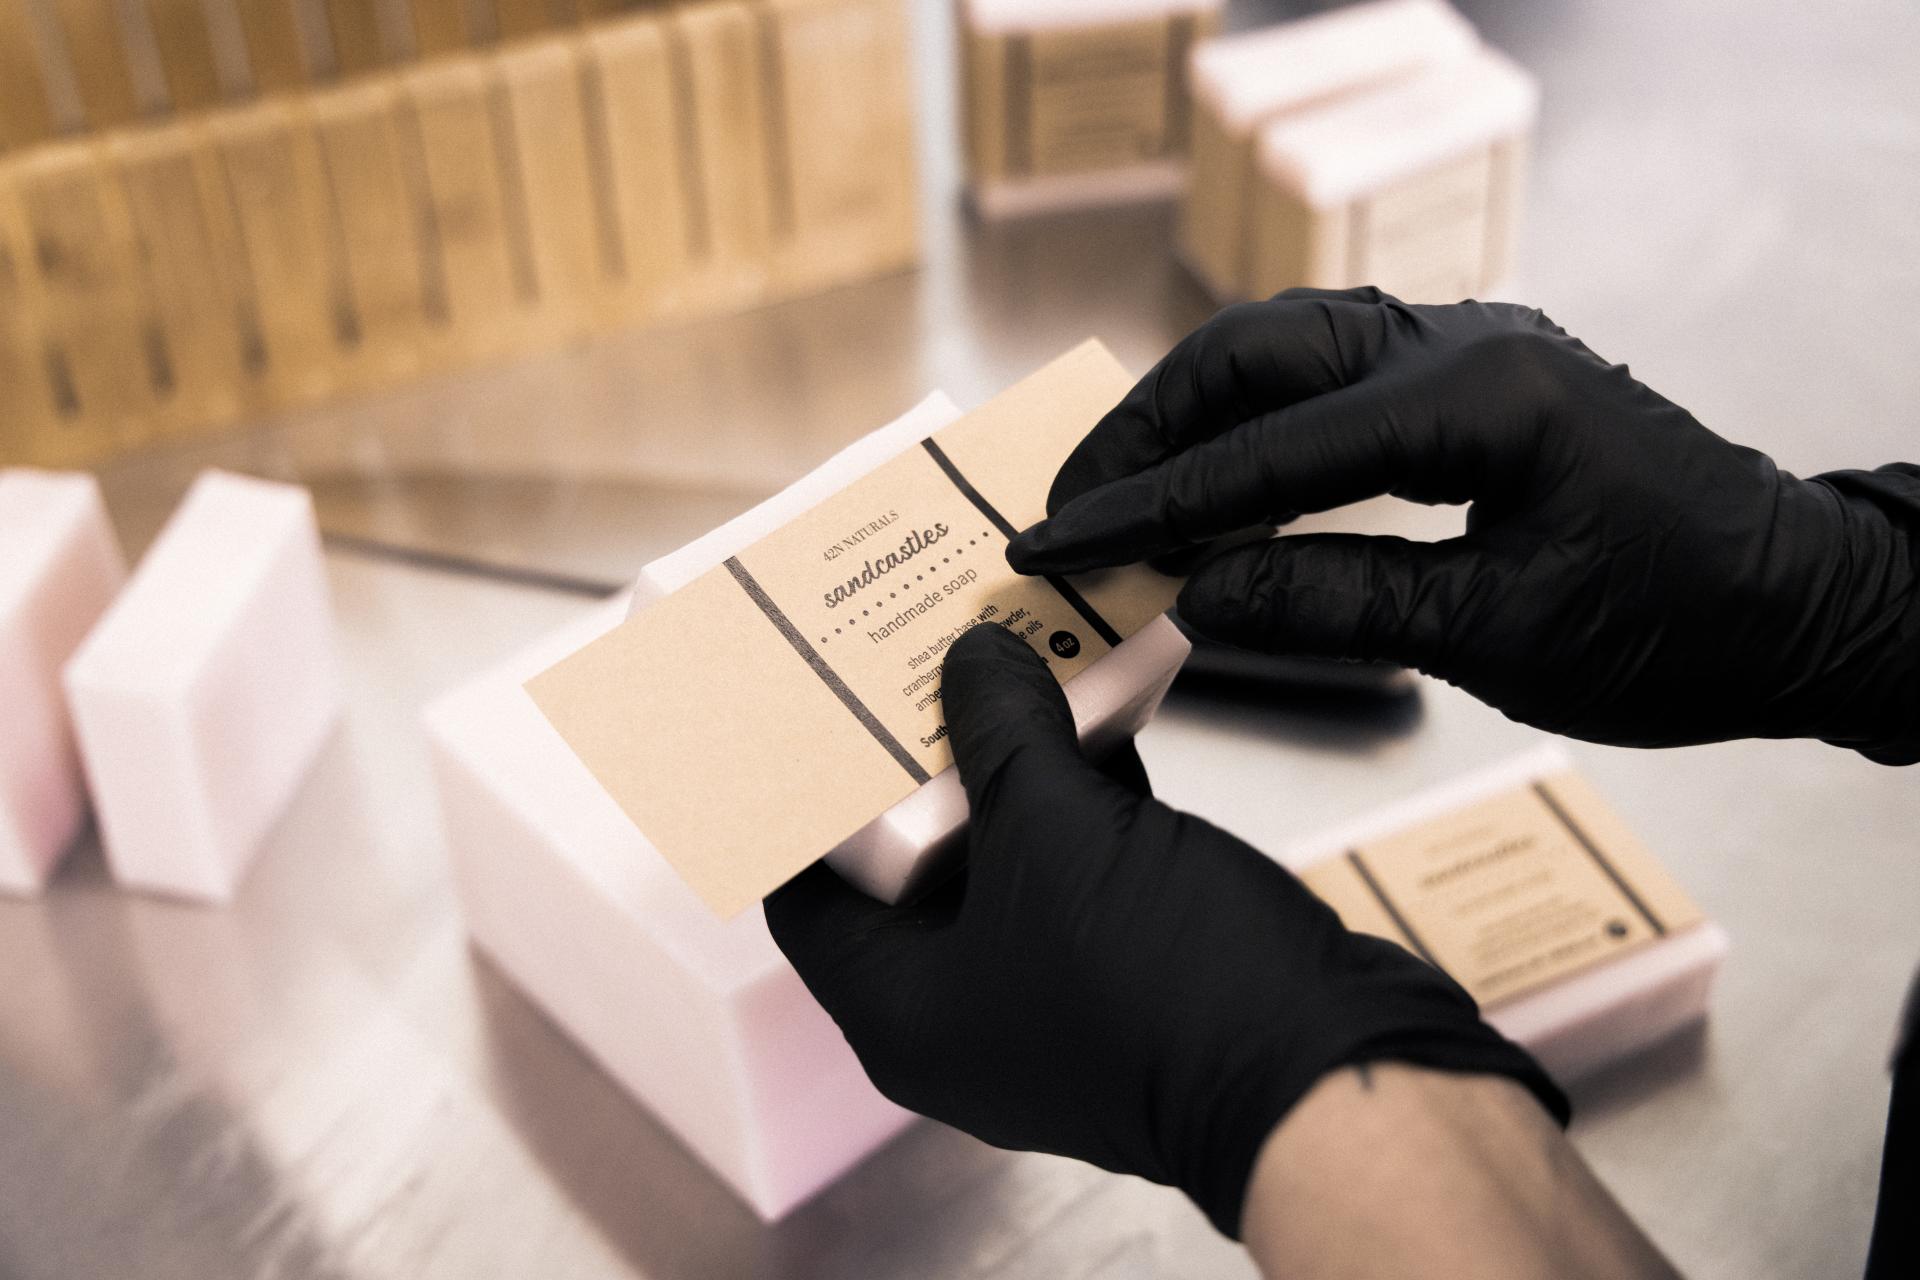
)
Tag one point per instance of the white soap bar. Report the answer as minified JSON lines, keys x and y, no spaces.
{"x":1249,"y":78}
{"x":912,"y":845}
{"x":1008,"y":17}
{"x":1243,"y":82}
{"x":59,"y":568}
{"x":1590,"y":1018}
{"x":702,"y":1020}
{"x":1415,"y":187}
{"x":206,"y":690}
{"x":1358,"y":146}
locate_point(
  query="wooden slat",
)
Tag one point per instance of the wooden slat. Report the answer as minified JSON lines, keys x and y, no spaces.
{"x":194,"y":274}
{"x":453,"y":143}
{"x":444,"y":26}
{"x":275,"y":54}
{"x":841,"y":125}
{"x":99,"y":329}
{"x":273,"y":177}
{"x":357,"y":43}
{"x":185,"y":45}
{"x":26,"y":115}
{"x":715,"y":52}
{"x":378,"y":230}
{"x":646,"y":166}
{"x":26,"y":403}
{"x":556,"y":171}
{"x":91,"y":29}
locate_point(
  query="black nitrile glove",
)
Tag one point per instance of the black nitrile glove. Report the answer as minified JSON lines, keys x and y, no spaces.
{"x":1626,"y":577}
{"x":1111,"y":980}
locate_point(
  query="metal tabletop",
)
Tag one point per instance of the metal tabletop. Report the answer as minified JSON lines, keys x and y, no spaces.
{"x":324,"y":1080}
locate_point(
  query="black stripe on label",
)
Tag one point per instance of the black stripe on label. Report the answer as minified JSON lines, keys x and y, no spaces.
{"x":828,"y":676}
{"x":1600,"y":859}
{"x":1100,"y":625}
{"x":1380,"y":895}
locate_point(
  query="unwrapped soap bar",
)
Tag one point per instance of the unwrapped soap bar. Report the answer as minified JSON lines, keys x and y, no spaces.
{"x":1245,"y":82}
{"x":700,"y":1019}
{"x":59,"y":568}
{"x":1415,"y":187}
{"x":775,"y":698}
{"x":1522,"y":884}
{"x":203,"y":694}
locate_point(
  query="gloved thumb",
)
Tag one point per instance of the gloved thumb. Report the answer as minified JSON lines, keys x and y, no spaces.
{"x":1334,"y":596}
{"x":1007,"y":718}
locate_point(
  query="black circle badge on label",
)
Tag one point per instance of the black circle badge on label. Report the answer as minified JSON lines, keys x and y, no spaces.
{"x":1064,"y":643}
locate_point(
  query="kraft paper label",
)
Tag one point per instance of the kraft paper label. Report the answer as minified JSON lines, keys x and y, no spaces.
{"x":759,"y":716}
{"x":1513,"y":893}
{"x":1097,"y":97}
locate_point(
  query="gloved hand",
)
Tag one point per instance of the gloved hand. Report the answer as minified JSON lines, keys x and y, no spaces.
{"x":1112,"y":980}
{"x":1626,"y":577}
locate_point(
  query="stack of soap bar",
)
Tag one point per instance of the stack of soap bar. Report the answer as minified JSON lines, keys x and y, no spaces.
{"x":700,"y":1019}
{"x":1415,"y":187}
{"x":1245,"y":82}
{"x":204,"y":693}
{"x":59,"y":569}
{"x":1076,"y":102}
{"x":911,"y":845}
{"x":1521,"y":883}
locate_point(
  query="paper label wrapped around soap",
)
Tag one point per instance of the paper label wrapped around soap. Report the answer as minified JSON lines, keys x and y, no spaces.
{"x":757,"y":717}
{"x":1512,"y":893}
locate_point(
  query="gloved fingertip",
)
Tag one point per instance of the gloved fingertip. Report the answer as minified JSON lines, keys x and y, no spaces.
{"x":999,"y":695}
{"x":1027,"y":550}
{"x":1106,"y":526}
{"x":986,"y":660}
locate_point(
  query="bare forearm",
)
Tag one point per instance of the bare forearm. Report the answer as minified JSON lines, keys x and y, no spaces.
{"x":1398,"y":1171}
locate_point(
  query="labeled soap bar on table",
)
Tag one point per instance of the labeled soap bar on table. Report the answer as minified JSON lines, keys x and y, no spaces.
{"x":1415,"y":188}
{"x":702,"y":1020}
{"x":203,"y":694}
{"x":1076,"y":102}
{"x":60,"y":567}
{"x":776,"y":699}
{"x":1536,"y":897}
{"x":1245,"y":82}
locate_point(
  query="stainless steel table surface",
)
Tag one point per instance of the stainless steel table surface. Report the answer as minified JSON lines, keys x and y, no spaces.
{"x":323,"y":1080}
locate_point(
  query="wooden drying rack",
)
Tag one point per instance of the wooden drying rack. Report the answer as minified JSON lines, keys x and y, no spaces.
{"x":165,"y":273}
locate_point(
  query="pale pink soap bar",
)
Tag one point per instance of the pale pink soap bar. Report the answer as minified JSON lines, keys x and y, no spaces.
{"x":913,"y":844}
{"x":702,"y":1020}
{"x":203,"y":695}
{"x":1593,"y":1017}
{"x":59,"y":569}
